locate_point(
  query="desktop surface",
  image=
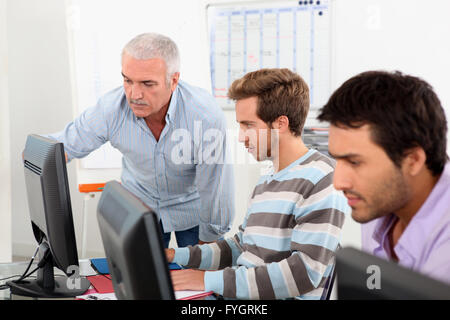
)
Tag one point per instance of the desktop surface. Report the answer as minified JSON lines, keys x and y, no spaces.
{"x":17,"y":268}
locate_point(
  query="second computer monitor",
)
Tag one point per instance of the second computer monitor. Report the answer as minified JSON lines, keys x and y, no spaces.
{"x":132,"y":240}
{"x":361,"y":276}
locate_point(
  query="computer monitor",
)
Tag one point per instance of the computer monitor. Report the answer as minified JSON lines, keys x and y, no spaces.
{"x":361,"y":276}
{"x":133,"y":245}
{"x":50,"y":211}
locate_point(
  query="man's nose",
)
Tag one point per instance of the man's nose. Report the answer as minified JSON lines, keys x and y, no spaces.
{"x":242,"y":137}
{"x":136,"y":92}
{"x":341,"y":177}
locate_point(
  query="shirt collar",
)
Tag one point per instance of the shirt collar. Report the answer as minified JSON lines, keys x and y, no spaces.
{"x":290,"y":166}
{"x":173,"y":105}
{"x":382,"y":227}
{"x":427,"y":217}
{"x":421,"y":225}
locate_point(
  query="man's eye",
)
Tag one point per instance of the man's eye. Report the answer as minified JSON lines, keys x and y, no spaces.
{"x":127,"y":81}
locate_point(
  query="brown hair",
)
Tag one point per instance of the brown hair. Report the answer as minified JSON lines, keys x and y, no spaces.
{"x":403,"y":112}
{"x":280,"y":92}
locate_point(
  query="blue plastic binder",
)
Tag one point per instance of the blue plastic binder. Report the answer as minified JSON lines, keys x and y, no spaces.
{"x":101,"y":265}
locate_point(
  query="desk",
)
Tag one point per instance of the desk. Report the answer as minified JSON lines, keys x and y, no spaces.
{"x":17,"y":268}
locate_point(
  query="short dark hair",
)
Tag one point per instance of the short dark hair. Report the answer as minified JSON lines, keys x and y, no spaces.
{"x":280,"y":92}
{"x":403,"y":112}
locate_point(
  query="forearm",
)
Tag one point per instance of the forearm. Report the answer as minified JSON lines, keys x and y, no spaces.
{"x":285,"y":279}
{"x":213,"y":256}
{"x":81,"y":136}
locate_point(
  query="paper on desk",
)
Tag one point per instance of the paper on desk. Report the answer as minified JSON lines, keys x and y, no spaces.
{"x":93,"y":294}
{"x":98,"y":296}
{"x":190,"y":294}
{"x":179,"y":295}
{"x":86,"y":269}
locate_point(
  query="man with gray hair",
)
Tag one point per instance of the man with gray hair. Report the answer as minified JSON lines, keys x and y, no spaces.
{"x":156,"y":121}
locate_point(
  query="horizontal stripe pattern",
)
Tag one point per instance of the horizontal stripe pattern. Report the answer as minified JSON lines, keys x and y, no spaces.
{"x":287,"y":242}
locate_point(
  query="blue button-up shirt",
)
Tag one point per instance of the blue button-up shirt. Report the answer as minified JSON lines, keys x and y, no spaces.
{"x":185,"y":176}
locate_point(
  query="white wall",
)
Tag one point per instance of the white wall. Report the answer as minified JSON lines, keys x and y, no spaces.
{"x":408,"y":35}
{"x":5,"y":172}
{"x":40,"y":96}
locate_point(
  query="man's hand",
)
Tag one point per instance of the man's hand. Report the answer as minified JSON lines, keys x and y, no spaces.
{"x":189,"y":279}
{"x":170,"y":253}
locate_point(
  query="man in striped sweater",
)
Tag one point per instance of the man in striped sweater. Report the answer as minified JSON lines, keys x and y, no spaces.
{"x":285,"y":247}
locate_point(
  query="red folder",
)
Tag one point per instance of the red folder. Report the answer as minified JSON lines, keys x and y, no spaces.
{"x":102,"y":283}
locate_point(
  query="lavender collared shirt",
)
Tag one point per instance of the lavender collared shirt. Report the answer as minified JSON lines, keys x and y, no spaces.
{"x":424,"y":245}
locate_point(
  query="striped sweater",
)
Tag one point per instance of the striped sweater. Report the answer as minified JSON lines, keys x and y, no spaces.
{"x":286,"y":245}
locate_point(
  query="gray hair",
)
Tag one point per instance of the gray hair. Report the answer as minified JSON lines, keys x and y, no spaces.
{"x":153,"y":45}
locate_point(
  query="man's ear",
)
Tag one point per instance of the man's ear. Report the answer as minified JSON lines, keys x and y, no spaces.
{"x":281,"y":123}
{"x":174,"y":81}
{"x":414,"y":161}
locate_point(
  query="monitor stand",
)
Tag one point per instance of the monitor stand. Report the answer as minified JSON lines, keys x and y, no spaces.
{"x":47,"y":285}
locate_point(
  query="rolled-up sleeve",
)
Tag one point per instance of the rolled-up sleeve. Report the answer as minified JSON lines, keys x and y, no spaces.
{"x":215,"y":183}
{"x":84,"y":134}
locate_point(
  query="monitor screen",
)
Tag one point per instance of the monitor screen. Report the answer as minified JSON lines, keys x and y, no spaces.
{"x":48,"y":196}
{"x":361,"y":276}
{"x":133,"y":246}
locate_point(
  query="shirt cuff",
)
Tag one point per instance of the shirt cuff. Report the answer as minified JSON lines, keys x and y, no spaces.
{"x":214,"y":281}
{"x":55,"y":137}
{"x":181,"y":256}
{"x":209,"y":232}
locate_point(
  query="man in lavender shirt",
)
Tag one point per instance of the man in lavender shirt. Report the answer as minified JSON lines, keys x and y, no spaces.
{"x":388,"y":134}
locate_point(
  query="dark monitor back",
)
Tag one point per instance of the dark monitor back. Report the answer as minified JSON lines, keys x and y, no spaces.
{"x":48,"y":196}
{"x":361,"y":276}
{"x":133,"y":245}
